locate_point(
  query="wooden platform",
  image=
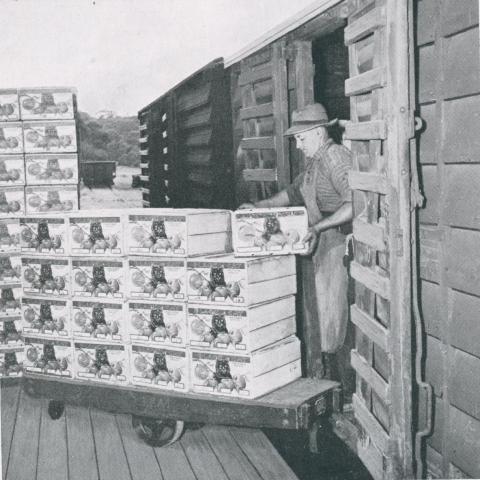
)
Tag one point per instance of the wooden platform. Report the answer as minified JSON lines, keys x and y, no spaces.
{"x":294,"y":406}
{"x":90,"y":444}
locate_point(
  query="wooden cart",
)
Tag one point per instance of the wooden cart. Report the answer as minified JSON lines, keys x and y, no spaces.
{"x":159,"y":416}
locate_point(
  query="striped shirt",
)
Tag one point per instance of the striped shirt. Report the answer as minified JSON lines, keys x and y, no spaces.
{"x":332,"y":163}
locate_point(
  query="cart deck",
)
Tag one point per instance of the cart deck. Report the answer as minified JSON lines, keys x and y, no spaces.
{"x":89,"y":444}
{"x":294,"y":406}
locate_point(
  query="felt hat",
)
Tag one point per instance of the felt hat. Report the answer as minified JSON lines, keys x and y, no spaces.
{"x":309,"y":117}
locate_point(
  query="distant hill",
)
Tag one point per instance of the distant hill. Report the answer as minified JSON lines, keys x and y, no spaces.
{"x":114,"y":138}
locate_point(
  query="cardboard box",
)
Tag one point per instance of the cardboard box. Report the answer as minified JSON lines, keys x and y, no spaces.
{"x":51,"y":199}
{"x":99,"y":362}
{"x":10,"y":269}
{"x":98,"y":277}
{"x":240,"y":329}
{"x":226,"y":280}
{"x":11,"y":138}
{"x":100,"y":320}
{"x":46,"y":317}
{"x":46,"y":276}
{"x":11,"y":332}
{"x":46,"y":103}
{"x":9,"y":110}
{"x":12,"y":202}
{"x":157,"y":323}
{"x":11,"y":361}
{"x":96,"y":233}
{"x":42,"y":169}
{"x":245,"y":376}
{"x":157,"y":278}
{"x":178,"y":233}
{"x":48,"y":356}
{"x":10,"y":301}
{"x":163,"y":368}
{"x":50,"y":137}
{"x":9,"y":235}
{"x":44,"y":235}
{"x":269,"y":231}
{"x":12,"y":170}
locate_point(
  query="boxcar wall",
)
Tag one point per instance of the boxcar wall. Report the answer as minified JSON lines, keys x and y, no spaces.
{"x":448,"y":101}
{"x":186,"y":143}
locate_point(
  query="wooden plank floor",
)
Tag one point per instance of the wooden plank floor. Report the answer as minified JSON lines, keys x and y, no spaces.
{"x":94,"y":445}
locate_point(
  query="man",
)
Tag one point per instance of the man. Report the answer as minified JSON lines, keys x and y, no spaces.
{"x":323,"y":189}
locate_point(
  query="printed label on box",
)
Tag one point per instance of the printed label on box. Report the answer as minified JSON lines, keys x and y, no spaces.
{"x":100,"y":320}
{"x":47,"y":235}
{"x":159,"y":367}
{"x":157,"y":323}
{"x":96,"y":236}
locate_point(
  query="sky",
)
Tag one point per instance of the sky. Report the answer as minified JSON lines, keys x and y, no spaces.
{"x":122,"y":54}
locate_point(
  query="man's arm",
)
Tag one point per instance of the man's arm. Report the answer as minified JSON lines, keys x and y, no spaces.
{"x":343,"y":215}
{"x":281,"y":199}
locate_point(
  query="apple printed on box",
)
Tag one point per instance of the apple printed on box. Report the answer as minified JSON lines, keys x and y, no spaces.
{"x":245,"y":376}
{"x":98,"y":278}
{"x":46,"y":317}
{"x":9,"y":110}
{"x":12,"y":170}
{"x":48,"y":356}
{"x":100,"y":320}
{"x":51,"y":199}
{"x":11,"y":138}
{"x":43,"y":235}
{"x":47,"y":169}
{"x":275,"y":231}
{"x":11,"y":332}
{"x":50,"y":137}
{"x":46,"y":103}
{"x":10,"y":269}
{"x":9,"y":235}
{"x":96,"y":235}
{"x":12,"y":202}
{"x":157,"y":278}
{"x":11,"y":361}
{"x":10,"y":300}
{"x":240,"y":329}
{"x":158,"y":323}
{"x":163,"y":368}
{"x":46,"y":276}
{"x":101,"y":362}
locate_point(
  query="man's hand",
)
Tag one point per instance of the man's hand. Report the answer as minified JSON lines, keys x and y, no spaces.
{"x":311,"y":238}
{"x":244,"y":206}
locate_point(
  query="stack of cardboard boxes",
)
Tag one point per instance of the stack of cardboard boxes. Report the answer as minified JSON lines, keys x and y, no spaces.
{"x":156,"y":298}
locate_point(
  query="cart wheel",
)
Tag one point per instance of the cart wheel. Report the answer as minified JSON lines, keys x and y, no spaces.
{"x":157,"y":432}
{"x":55,"y":409}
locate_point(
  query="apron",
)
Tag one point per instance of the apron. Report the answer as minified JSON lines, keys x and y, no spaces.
{"x":331,"y":276}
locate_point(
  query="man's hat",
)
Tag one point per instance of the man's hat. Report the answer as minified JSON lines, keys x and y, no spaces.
{"x":309,"y":117}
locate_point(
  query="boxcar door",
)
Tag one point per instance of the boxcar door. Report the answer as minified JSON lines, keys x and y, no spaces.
{"x":264,"y":116}
{"x":380,"y":131}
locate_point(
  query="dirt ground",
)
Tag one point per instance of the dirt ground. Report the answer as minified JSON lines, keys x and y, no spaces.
{"x":121,"y":195}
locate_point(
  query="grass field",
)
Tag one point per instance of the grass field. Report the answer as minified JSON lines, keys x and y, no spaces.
{"x":121,"y":195}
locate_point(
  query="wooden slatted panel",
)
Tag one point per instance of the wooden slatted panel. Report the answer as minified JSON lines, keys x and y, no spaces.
{"x":9,"y":407}
{"x":194,"y":99}
{"x":255,"y":74}
{"x":257,"y":111}
{"x":52,"y":448}
{"x":197,"y":118}
{"x":81,"y":444}
{"x":260,"y":143}
{"x":25,"y":439}
{"x":377,"y":38}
